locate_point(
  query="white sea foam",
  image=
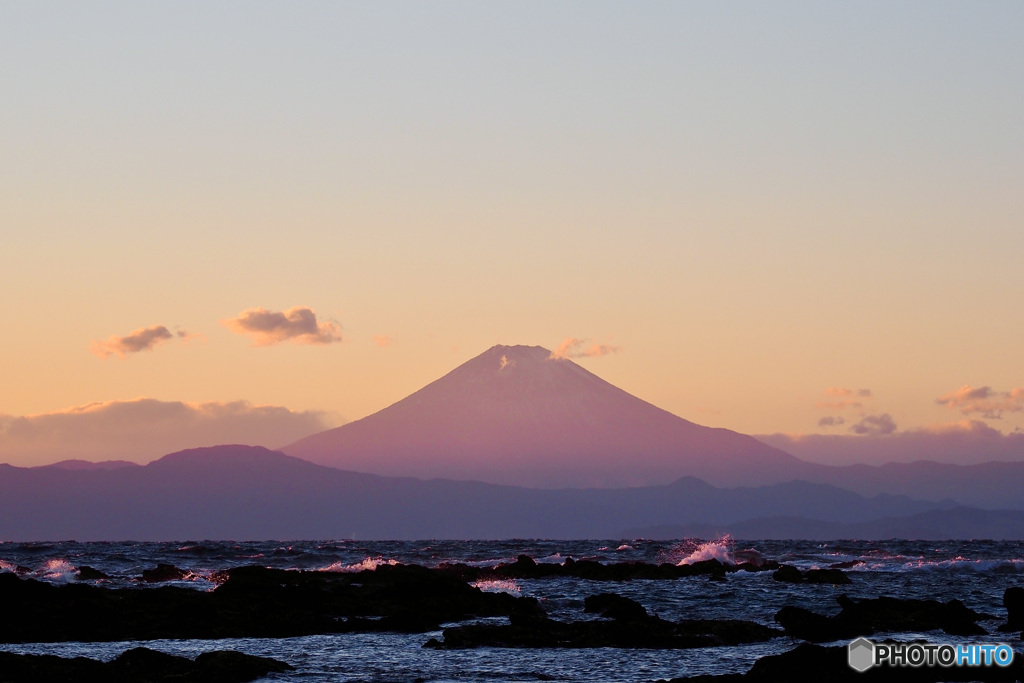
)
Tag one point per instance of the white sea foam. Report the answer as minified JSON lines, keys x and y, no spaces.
{"x":498,"y":586}
{"x":960,"y":562}
{"x":8,"y":567}
{"x":625,"y":546}
{"x":720,"y":549}
{"x":57,"y":570}
{"x":481,"y":563}
{"x":367,"y":563}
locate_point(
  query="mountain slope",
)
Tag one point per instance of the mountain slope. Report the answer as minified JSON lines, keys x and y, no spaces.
{"x":514,"y":415}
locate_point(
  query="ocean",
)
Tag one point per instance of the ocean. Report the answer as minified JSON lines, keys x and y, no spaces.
{"x":975,"y":572}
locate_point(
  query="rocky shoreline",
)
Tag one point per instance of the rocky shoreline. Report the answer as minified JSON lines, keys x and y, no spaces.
{"x":259,"y":602}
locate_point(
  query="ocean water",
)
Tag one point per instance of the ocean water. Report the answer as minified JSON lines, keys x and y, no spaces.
{"x":975,"y":572}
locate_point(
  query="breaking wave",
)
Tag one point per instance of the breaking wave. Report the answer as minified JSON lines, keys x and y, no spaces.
{"x":57,"y":570}
{"x":498,"y":586}
{"x":720,"y":549}
{"x":370,"y":563}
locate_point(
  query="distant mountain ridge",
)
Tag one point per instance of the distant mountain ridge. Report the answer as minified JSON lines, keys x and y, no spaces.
{"x":516,"y":415}
{"x":89,"y":465}
{"x":251,"y":493}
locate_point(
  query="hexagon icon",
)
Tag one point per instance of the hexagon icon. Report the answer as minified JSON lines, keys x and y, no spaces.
{"x":861,"y":654}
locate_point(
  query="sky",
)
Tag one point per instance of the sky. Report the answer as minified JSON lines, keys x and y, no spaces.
{"x":791,"y":218}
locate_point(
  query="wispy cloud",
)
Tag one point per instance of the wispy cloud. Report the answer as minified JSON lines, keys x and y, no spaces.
{"x":572,"y":347}
{"x":382,"y":340}
{"x":843,"y":392}
{"x":984,"y":401}
{"x":831,"y":421}
{"x":298,"y":324}
{"x":875,"y":425}
{"x":143,"y":429}
{"x":142,"y":339}
{"x":846,"y":399}
{"x":839,"y":405}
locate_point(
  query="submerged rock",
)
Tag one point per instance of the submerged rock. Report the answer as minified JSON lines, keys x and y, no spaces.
{"x":626,"y":625}
{"x":163,"y":573}
{"x":789,"y":574}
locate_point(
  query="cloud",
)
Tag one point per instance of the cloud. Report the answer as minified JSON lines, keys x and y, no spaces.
{"x":964,"y":442}
{"x":142,"y":339}
{"x":875,"y":425}
{"x":846,"y":397}
{"x":839,"y":405}
{"x":595,"y":350}
{"x":188,"y":336}
{"x":984,"y":401}
{"x":571,"y":348}
{"x":143,"y":429}
{"x":831,"y":421}
{"x":381,"y":340}
{"x":842,"y":391}
{"x":960,"y":427}
{"x":298,"y":324}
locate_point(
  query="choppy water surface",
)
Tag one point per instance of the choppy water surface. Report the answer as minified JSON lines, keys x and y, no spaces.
{"x":976,"y":572}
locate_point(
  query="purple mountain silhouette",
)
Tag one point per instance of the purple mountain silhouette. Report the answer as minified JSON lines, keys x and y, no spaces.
{"x":515,"y":415}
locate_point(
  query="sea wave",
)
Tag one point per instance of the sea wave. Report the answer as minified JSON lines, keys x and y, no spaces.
{"x":370,"y":563}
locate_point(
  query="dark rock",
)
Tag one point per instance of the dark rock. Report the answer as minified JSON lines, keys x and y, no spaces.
{"x":833,"y":576}
{"x":163,"y":573}
{"x":807,"y":625}
{"x":865,"y":617}
{"x":804,"y":663}
{"x":251,"y":602}
{"x":750,"y":556}
{"x":526,"y":562}
{"x":1013,"y":601}
{"x":706,"y":567}
{"x":614,"y":606}
{"x":87,"y":573}
{"x":228,"y":666}
{"x":527,"y":612}
{"x":790,"y":574}
{"x":139,"y":665}
{"x":409,"y":622}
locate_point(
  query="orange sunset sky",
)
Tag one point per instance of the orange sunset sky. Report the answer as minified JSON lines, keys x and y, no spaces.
{"x":248,"y":221}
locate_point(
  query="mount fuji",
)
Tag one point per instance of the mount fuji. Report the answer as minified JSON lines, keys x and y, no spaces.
{"x":517,"y":415}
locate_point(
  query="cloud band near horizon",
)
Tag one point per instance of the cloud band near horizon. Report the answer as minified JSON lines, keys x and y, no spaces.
{"x":143,"y":429}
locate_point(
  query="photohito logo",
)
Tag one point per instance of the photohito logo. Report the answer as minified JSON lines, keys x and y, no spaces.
{"x":862,"y":654}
